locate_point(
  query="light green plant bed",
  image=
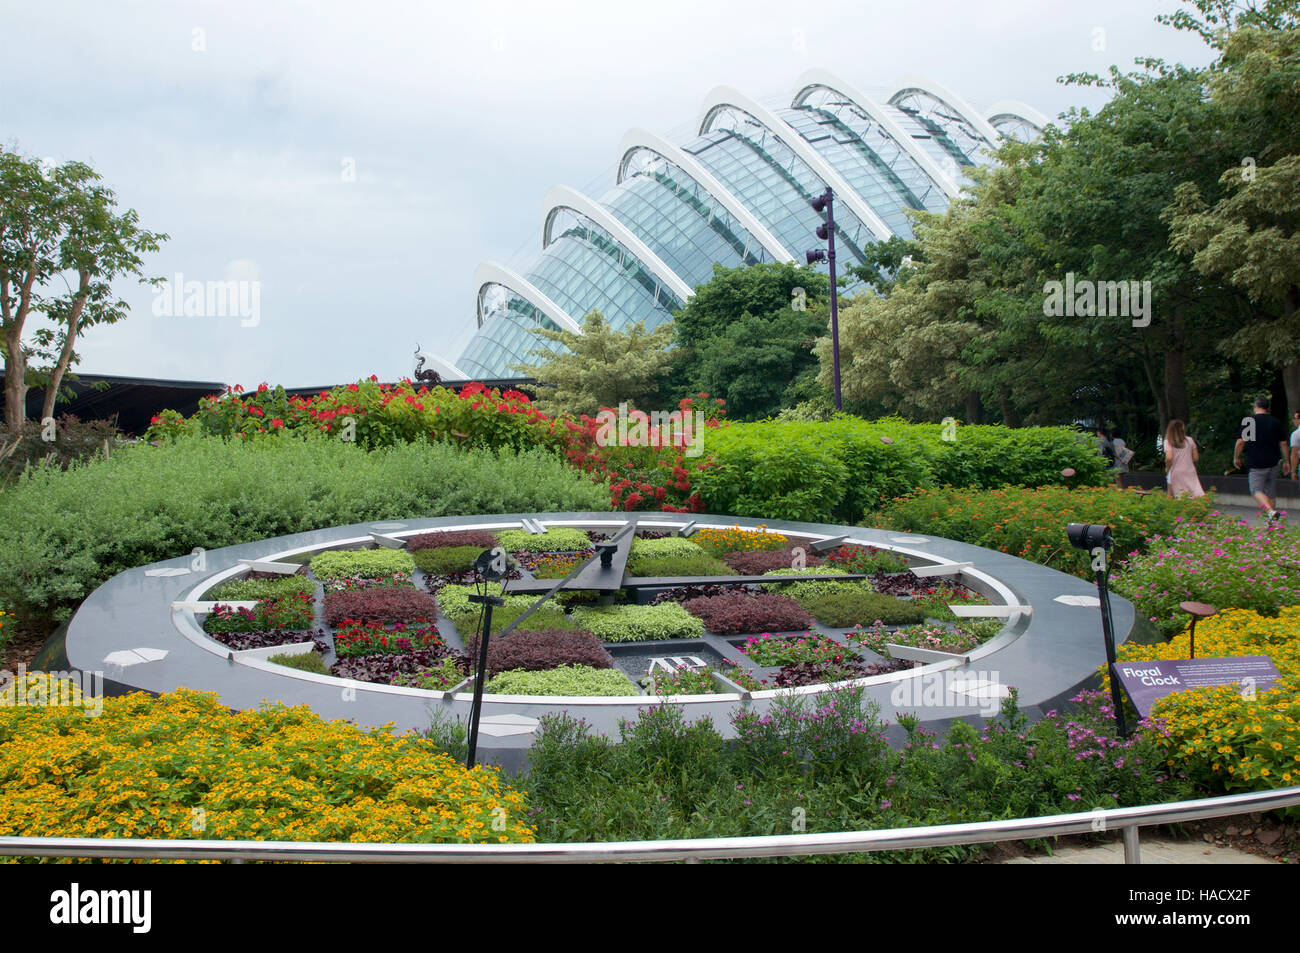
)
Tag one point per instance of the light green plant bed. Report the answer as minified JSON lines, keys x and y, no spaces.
{"x":566,"y":680}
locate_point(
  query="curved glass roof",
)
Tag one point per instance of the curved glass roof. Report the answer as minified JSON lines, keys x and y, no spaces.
{"x":751,"y":172}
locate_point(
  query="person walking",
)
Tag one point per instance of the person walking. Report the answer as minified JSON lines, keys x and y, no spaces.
{"x":1122,"y":453}
{"x":1295,"y":445}
{"x":1181,"y":454}
{"x":1105,"y":448}
{"x":1263,"y":440}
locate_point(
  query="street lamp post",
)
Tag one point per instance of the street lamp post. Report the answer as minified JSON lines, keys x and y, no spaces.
{"x":826,"y":231}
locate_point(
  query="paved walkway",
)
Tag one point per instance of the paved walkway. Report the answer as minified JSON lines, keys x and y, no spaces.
{"x":1152,"y":850}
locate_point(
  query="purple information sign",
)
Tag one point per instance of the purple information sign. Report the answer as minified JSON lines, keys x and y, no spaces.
{"x":1146,"y":682}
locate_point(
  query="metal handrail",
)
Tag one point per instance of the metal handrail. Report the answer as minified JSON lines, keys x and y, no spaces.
{"x":1126,"y":819}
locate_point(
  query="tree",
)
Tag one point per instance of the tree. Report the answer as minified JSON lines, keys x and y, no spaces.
{"x":58,"y":227}
{"x":600,"y":367}
{"x":1250,"y":236}
{"x":746,"y":336}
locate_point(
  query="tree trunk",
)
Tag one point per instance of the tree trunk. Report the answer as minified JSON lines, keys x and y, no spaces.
{"x":1291,"y":372}
{"x":15,"y":385}
{"x":1175,"y":368}
{"x":1158,"y":392}
{"x":1009,"y":416}
{"x":973,"y":408}
{"x":69,"y":342}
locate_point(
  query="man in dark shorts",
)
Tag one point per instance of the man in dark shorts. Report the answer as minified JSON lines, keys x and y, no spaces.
{"x":1263,"y":438}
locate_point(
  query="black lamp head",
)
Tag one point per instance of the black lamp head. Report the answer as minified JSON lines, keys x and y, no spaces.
{"x":823,"y":232}
{"x":1089,"y":536}
{"x":819,"y":203}
{"x":815,"y":255}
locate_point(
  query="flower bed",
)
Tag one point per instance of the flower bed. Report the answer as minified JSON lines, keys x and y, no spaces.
{"x":839,"y":610}
{"x":684,"y":680}
{"x":559,"y":565}
{"x":253,"y":590}
{"x":291,"y":776}
{"x":454,"y":602}
{"x":398,"y":580}
{"x":935,"y":599}
{"x":390,"y":669}
{"x":866,"y":560}
{"x":1220,"y":561}
{"x":757,"y":562}
{"x":540,"y":650}
{"x":446,"y":559}
{"x":555,"y":539}
{"x":1031,"y":523}
{"x":719,"y":542}
{"x":241,"y":641}
{"x":370,"y":638}
{"x":736,"y":613}
{"x":367,"y":563}
{"x":296,"y":611}
{"x":566,"y":680}
{"x":629,"y":623}
{"x":937,"y":638}
{"x":1219,"y":736}
{"x":384,"y":604}
{"x":478,"y":538}
{"x":769,"y":651}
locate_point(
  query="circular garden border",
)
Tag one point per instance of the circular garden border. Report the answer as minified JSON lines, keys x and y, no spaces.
{"x":140,"y":630}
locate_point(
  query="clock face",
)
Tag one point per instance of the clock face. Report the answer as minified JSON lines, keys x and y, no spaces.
{"x":597,"y":614}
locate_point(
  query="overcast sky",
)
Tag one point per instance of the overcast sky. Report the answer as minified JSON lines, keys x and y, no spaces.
{"x":358,"y":159}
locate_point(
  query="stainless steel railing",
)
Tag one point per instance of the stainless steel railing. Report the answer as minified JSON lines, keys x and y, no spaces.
{"x":1127,"y":819}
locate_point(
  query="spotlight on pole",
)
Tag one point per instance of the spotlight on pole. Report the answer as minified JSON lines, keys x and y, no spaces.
{"x":826,"y":232}
{"x":1097,"y":540}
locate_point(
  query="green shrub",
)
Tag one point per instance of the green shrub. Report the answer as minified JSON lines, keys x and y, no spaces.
{"x":556,"y":539}
{"x":671,"y":546}
{"x":306,"y":662}
{"x":566,"y":680}
{"x":694,"y":565}
{"x":67,"y":532}
{"x":245,"y":590}
{"x":366,"y":563}
{"x":449,"y":559}
{"x":806,"y":590}
{"x":629,"y":623}
{"x":453,"y":602}
{"x":840,"y":610}
{"x":838,"y":470}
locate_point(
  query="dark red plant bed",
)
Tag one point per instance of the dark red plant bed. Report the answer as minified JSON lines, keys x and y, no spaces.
{"x":386,"y":604}
{"x":467,"y":578}
{"x":899,"y":583}
{"x":240,"y":641}
{"x":686,"y":593}
{"x":757,"y":563}
{"x":468,"y":537}
{"x":259,"y":574}
{"x":386,"y":669}
{"x":734,"y":613}
{"x":542,"y":649}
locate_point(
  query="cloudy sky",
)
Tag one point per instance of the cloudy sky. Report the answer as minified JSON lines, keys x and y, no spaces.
{"x":357,"y":160}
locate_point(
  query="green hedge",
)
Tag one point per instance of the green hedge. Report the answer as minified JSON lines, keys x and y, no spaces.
{"x":556,"y":539}
{"x":67,"y":532}
{"x":565,"y":680}
{"x":629,"y":623}
{"x":839,"y":470}
{"x":365,"y":563}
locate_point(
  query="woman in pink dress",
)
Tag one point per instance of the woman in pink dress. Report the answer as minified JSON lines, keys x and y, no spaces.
{"x":1180,"y":461}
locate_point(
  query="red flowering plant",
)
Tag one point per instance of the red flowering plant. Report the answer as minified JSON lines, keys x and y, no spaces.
{"x":353,"y":638}
{"x":647,"y":461}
